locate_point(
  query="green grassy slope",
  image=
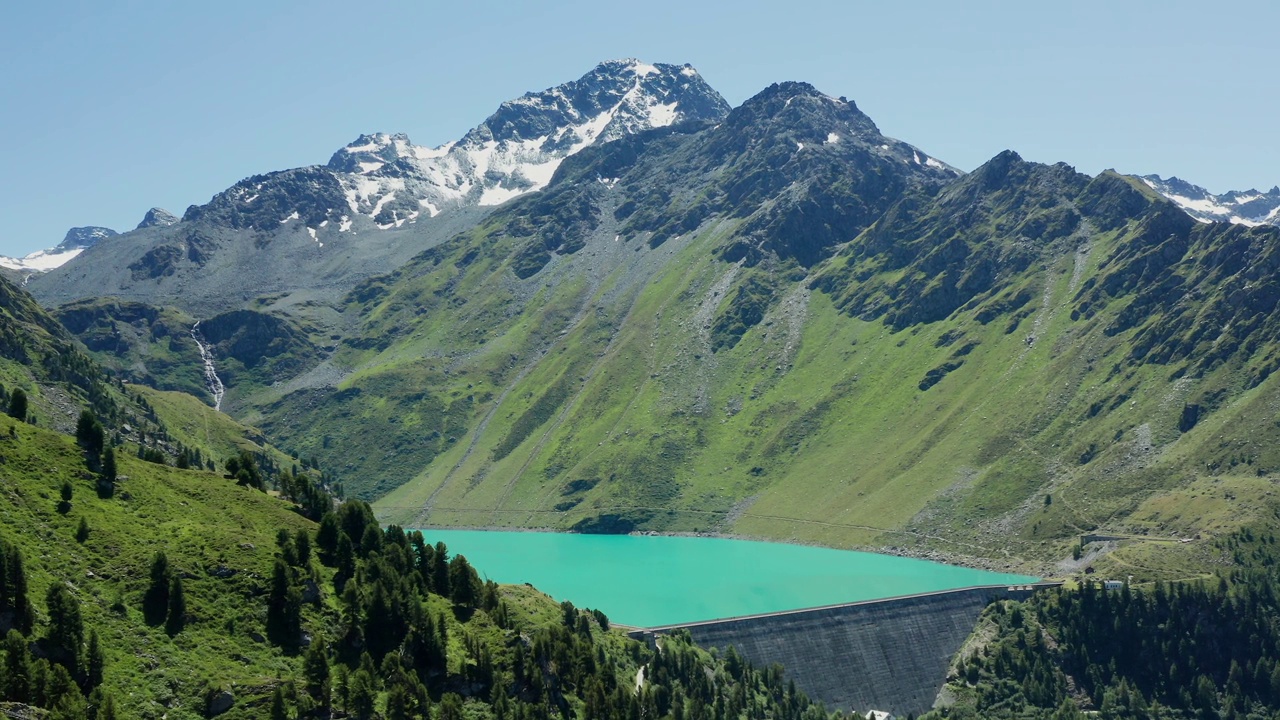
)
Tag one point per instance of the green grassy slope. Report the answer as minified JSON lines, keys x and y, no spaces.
{"x":203,"y":523}
{"x":215,"y":435}
{"x":863,"y":407}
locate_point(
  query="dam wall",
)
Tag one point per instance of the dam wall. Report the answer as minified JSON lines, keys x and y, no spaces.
{"x":889,"y":654}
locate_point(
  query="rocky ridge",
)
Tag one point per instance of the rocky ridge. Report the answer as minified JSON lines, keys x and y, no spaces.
{"x":77,"y":240}
{"x":1242,"y":207}
{"x":388,"y":180}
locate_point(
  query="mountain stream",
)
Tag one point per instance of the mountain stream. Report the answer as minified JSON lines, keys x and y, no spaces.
{"x":216,"y":388}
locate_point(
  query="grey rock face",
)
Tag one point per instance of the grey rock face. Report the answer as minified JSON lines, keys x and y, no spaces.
{"x":83,"y":237}
{"x":157,"y":217}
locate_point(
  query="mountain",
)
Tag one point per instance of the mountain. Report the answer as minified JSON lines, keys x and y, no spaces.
{"x":157,"y":217}
{"x":76,"y":241}
{"x":519,"y":147}
{"x":379,"y":201}
{"x":752,"y":360}
{"x":1248,"y":207}
{"x":777,"y":323}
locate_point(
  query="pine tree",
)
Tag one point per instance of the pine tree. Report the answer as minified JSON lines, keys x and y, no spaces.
{"x":63,"y":697}
{"x":177,"y":613}
{"x":90,"y":434}
{"x":107,"y":479}
{"x":363,"y":694}
{"x":346,"y":562}
{"x":17,"y":668}
{"x":65,"y":635}
{"x":279,"y":711}
{"x":18,"y":404}
{"x":302,"y":546}
{"x":107,"y":710}
{"x":316,"y":671}
{"x":66,"y":492}
{"x":327,"y":537}
{"x":95,"y":662}
{"x":82,"y":531}
{"x":440,"y":570}
{"x":451,"y":707}
{"x":155,"y":603}
{"x":463,"y":582}
{"x":284,"y":608}
{"x":16,"y":583}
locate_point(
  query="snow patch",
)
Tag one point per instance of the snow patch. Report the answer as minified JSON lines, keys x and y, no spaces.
{"x":40,"y":260}
{"x":643,"y":69}
{"x":934,"y":163}
{"x":371,"y":147}
{"x":377,"y":209}
{"x":294,"y":216}
{"x":832,"y":138}
{"x":1205,"y":205}
{"x":345,"y":224}
{"x":497,"y":195}
{"x":368,"y":167}
{"x":662,"y":115}
{"x":432,"y":210}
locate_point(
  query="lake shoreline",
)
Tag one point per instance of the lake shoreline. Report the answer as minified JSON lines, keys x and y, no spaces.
{"x":651,"y":579}
{"x":1039,"y":569}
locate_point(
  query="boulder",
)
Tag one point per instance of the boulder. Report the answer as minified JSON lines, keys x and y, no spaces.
{"x":220,"y":702}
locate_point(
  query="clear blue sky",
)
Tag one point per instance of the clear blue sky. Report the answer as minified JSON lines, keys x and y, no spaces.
{"x":111,"y":108}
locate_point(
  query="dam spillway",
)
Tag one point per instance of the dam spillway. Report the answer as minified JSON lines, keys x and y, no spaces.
{"x":890,"y":654}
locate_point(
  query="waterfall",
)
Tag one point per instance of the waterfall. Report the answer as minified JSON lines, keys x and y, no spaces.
{"x":216,"y":388}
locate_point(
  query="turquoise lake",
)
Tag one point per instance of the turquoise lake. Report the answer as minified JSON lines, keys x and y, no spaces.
{"x":653,"y":580}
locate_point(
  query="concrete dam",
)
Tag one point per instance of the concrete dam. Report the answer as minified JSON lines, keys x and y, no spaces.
{"x":889,"y":654}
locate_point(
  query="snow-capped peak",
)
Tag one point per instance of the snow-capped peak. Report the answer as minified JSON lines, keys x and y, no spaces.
{"x":518,"y":148}
{"x":370,"y":152}
{"x":1247,"y":207}
{"x":75,"y":242}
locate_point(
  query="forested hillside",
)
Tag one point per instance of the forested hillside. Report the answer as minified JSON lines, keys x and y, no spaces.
{"x":184,"y":593}
{"x":1194,"y":649}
